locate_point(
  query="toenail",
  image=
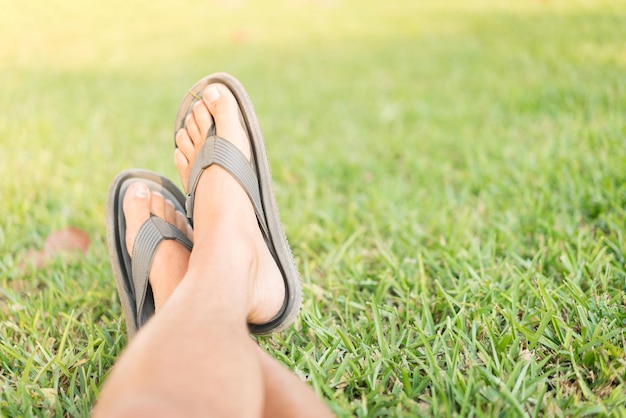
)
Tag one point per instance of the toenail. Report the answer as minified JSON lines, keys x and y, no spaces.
{"x":212,"y":93}
{"x":142,"y":191}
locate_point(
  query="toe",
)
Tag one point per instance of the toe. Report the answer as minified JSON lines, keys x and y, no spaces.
{"x":136,"y":207}
{"x":157,"y":205}
{"x":182,"y":165}
{"x":184,"y":143}
{"x":225,"y":110}
{"x":203,"y":118}
{"x":183,"y":225}
{"x":193,"y":130}
{"x":170,"y":212}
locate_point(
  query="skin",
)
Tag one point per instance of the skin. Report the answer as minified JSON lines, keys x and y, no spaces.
{"x":195,"y":356}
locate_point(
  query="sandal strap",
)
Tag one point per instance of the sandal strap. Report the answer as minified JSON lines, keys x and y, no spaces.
{"x":222,"y":152}
{"x":151,"y":233}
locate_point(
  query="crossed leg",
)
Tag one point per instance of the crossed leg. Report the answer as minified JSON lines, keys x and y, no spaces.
{"x":195,"y":356}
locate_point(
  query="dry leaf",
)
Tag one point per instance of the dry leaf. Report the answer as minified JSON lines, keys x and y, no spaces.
{"x":66,"y":240}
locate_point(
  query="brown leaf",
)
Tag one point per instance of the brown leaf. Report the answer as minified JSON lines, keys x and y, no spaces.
{"x":66,"y":240}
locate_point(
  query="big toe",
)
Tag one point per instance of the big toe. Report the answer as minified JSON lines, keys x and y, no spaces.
{"x":225,"y":110}
{"x":136,"y":207}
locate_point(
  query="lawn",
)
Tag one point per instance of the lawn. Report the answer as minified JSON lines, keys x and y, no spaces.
{"x":451,"y":175}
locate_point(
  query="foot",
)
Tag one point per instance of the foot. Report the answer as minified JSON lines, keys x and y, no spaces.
{"x":222,"y":209}
{"x":171,"y":258}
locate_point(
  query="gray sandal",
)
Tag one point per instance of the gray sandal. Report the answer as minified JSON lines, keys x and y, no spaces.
{"x":131,"y":272}
{"x":255,"y":178}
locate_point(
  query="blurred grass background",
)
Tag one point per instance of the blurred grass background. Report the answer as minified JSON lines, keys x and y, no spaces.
{"x":451,"y":176}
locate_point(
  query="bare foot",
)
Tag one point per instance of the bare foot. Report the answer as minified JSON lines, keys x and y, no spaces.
{"x":171,"y":258}
{"x":222,"y":208}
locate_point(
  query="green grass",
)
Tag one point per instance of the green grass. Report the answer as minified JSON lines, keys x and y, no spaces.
{"x":452,"y":178}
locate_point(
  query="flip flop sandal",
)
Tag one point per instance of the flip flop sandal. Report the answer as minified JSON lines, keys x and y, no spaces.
{"x":131,"y":271}
{"x":255,"y":178}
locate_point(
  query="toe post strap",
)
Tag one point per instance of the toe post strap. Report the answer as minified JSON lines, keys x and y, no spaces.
{"x":223,"y":153}
{"x":151,"y":233}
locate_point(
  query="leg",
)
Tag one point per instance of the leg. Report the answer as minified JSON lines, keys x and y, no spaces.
{"x":285,"y":394}
{"x":196,"y":357}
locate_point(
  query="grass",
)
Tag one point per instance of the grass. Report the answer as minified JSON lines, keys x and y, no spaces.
{"x":452,"y":178}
